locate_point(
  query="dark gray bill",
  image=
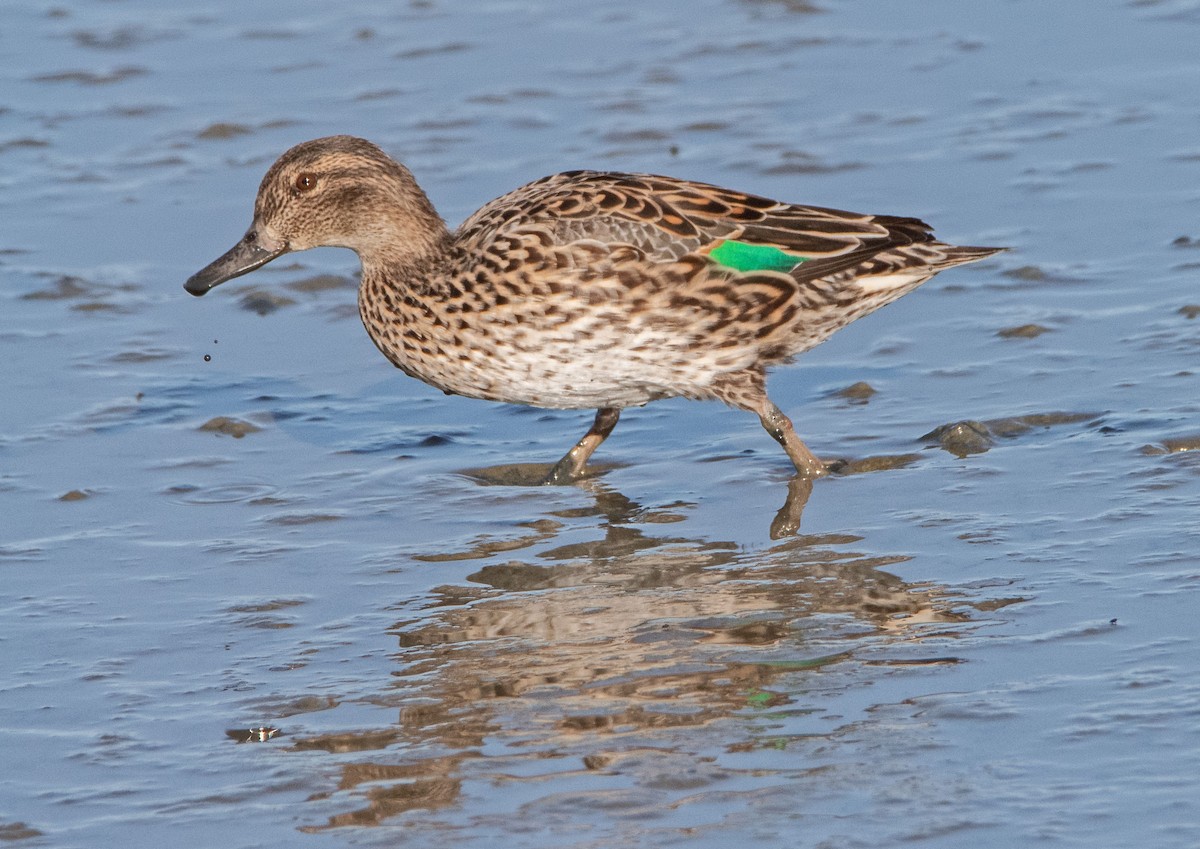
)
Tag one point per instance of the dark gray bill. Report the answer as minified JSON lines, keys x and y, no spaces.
{"x":242,"y":258}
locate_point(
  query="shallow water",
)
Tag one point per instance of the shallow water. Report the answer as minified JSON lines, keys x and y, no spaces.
{"x":988,"y":642}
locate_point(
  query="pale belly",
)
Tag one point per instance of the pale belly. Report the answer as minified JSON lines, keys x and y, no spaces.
{"x":559,"y":375}
{"x":591,"y":362}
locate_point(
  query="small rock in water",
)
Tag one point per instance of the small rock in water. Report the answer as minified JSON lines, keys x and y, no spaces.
{"x":857,"y":393}
{"x":975,"y":437}
{"x":1174,"y":445}
{"x":1023,"y":331}
{"x":1026,"y":272}
{"x":961,"y":438}
{"x":230,"y":427}
{"x":223,"y":130}
{"x":64,"y":287}
{"x":14,"y":831}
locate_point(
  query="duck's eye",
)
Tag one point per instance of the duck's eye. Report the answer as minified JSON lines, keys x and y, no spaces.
{"x":305,"y":181}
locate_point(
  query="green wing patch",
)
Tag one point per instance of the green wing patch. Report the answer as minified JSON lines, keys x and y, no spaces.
{"x":743,"y":256}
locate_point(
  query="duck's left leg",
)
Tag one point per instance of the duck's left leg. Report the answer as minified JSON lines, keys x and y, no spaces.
{"x":570,"y":467}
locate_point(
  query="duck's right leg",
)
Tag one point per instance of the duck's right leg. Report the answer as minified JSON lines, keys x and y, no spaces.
{"x":780,"y":427}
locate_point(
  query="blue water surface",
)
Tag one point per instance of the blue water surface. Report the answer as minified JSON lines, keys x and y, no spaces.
{"x":993,"y":649}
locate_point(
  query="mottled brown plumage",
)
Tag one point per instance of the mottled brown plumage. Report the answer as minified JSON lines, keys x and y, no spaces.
{"x":588,"y":289}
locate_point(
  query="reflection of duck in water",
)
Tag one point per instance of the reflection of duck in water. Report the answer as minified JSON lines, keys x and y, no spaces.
{"x":589,"y":290}
{"x":637,"y":649}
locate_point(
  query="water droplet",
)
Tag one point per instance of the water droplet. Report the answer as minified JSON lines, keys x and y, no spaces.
{"x":207,"y":358}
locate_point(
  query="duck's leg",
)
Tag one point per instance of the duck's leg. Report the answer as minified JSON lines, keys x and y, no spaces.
{"x":570,"y":467}
{"x":747,"y":390}
{"x":780,"y":427}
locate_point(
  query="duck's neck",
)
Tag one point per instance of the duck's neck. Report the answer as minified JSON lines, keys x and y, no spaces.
{"x":409,"y":258}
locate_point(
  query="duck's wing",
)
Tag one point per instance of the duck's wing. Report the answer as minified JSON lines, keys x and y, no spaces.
{"x":666,"y":219}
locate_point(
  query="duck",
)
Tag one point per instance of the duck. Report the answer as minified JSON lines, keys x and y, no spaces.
{"x":596,"y":290}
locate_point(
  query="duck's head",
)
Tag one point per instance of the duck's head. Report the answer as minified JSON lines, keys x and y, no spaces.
{"x":338,"y":191}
